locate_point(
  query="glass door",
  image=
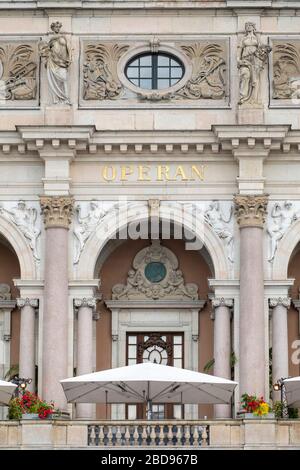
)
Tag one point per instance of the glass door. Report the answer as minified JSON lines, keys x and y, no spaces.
{"x":162,"y":348}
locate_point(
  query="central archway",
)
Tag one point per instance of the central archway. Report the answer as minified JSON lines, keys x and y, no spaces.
{"x":108,"y":229}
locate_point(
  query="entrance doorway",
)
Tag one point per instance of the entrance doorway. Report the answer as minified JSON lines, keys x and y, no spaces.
{"x":161,"y":348}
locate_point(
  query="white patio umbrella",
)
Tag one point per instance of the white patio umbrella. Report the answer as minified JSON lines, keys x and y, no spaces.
{"x":292,"y":388}
{"x":6,"y":391}
{"x":148,"y":383}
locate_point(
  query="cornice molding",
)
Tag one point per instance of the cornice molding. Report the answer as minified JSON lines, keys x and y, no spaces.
{"x":243,"y":5}
{"x":234,"y":141}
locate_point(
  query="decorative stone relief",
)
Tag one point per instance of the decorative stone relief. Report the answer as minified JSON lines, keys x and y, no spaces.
{"x":5,"y":292}
{"x":57,"y":210}
{"x":25,"y":218}
{"x":215,"y":217}
{"x":18,"y":71}
{"x":252,"y":57}
{"x":286,"y":70}
{"x":282,"y":215}
{"x":155,"y":275}
{"x":208,"y":79}
{"x":284,"y":301}
{"x":251,"y":210}
{"x":57,"y":56}
{"x":100,"y":78}
{"x":85,"y":225}
{"x":90,"y":302}
{"x":27,"y":302}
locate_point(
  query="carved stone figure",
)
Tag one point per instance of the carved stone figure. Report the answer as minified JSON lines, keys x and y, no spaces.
{"x":57,"y":60}
{"x":5,"y":292}
{"x":18,"y":67}
{"x":208,"y":76}
{"x":155,"y":275}
{"x":286,"y":71}
{"x":216,"y":219}
{"x":25,"y":219}
{"x":282,"y":217}
{"x":86,"y":225}
{"x":100,"y":79}
{"x":251,"y":61}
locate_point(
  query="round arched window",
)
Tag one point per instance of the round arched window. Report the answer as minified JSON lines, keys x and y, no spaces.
{"x":154,"y":71}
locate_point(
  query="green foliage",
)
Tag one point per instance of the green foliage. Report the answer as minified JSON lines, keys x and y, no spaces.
{"x":14,"y":410}
{"x":278,"y":408}
{"x":293,"y":413}
{"x":210,"y":364}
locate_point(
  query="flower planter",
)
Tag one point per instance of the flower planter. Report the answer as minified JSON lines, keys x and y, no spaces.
{"x":253,"y":416}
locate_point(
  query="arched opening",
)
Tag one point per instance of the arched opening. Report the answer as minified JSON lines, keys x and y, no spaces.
{"x":112,"y":268}
{"x":294,"y":315}
{"x":9,"y":314}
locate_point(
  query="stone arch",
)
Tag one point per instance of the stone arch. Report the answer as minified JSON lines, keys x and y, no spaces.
{"x":285,"y":250}
{"x":17,"y":240}
{"x":107,"y":230}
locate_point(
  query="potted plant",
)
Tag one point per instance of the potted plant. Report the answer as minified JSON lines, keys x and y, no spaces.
{"x":30,"y":406}
{"x":255,"y":407}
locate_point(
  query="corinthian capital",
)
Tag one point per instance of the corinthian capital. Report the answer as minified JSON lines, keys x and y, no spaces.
{"x":284,"y":301}
{"x":251,"y":210}
{"x":57,"y":210}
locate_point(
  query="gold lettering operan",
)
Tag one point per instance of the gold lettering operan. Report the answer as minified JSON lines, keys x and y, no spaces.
{"x":109,"y":170}
{"x":126,"y":171}
{"x":180,"y":172}
{"x":141,"y":172}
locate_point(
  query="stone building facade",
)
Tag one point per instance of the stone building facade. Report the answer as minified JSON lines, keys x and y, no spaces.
{"x":177,"y":120}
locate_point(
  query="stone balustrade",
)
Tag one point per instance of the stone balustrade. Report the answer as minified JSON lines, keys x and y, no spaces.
{"x":142,"y":434}
{"x":219,"y":434}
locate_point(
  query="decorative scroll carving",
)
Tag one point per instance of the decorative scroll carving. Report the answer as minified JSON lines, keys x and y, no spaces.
{"x":56,"y":54}
{"x":5,"y":292}
{"x":18,"y":67}
{"x":282,"y":216}
{"x":221,"y":301}
{"x":208,"y":74}
{"x":90,"y":302}
{"x":286,"y":70}
{"x":166,"y":283}
{"x":217,"y":220}
{"x":100,"y":78}
{"x":251,"y":61}
{"x":284,"y":301}
{"x":27,"y":302}
{"x":251,"y":211}
{"x":86,"y":225}
{"x":25,"y":219}
{"x":57,"y":210}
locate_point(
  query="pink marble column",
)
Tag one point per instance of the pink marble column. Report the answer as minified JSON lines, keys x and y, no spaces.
{"x":280,"y":357}
{"x":251,"y":212}
{"x":57,"y":213}
{"x":222,"y":347}
{"x":27,"y":340}
{"x":85,"y":307}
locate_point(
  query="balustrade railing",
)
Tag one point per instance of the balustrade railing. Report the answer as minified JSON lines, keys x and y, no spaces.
{"x":143,"y":434}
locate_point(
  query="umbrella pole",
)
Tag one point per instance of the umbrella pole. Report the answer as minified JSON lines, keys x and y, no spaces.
{"x":149,"y":410}
{"x":106,"y":404}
